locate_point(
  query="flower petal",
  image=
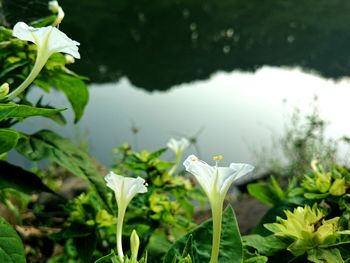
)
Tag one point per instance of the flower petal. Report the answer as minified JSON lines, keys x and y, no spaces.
{"x":227,"y":175}
{"x":60,"y":42}
{"x":133,"y":186}
{"x":125,"y":188}
{"x":57,"y":41}
{"x":204,"y":173}
{"x":178,"y":146}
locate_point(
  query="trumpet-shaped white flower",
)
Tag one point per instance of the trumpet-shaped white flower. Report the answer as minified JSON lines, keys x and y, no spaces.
{"x":125,"y":188}
{"x":215,"y":182}
{"x":178,"y":146}
{"x":49,"y":40}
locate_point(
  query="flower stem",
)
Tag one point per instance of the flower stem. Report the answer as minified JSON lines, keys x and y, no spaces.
{"x":39,"y":64}
{"x":216,"y":209}
{"x":121,"y":213}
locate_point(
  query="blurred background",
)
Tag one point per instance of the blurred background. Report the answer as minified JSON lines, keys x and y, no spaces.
{"x":233,"y":76}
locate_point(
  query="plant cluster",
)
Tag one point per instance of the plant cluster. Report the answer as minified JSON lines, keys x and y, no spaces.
{"x":142,"y":210}
{"x":312,"y":221}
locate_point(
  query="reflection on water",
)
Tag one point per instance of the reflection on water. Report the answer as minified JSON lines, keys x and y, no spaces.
{"x":238,"y":112}
{"x":159,"y":44}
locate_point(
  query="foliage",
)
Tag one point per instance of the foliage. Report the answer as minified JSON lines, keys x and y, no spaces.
{"x":11,"y":248}
{"x":320,"y":233}
{"x":308,"y":219}
{"x":197,"y":243}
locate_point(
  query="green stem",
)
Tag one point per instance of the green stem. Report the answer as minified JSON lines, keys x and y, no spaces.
{"x":216,"y":209}
{"x":42,"y":56}
{"x":39,"y":64}
{"x":121,"y":213}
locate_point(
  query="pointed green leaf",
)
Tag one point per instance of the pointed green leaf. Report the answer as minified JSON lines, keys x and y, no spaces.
{"x":8,"y":139}
{"x":110,"y":258}
{"x":11,"y":248}
{"x":12,"y":110}
{"x":15,"y":177}
{"x":47,"y":144}
{"x":231,"y":249}
{"x":75,"y":90}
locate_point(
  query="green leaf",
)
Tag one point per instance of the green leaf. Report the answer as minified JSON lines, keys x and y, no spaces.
{"x":86,"y":246}
{"x":262,"y":192}
{"x":75,"y":90}
{"x":231,"y":250}
{"x":12,"y":110}
{"x":267,"y":193}
{"x":15,"y":177}
{"x":110,"y":258}
{"x":257,"y":259}
{"x":264,"y":245}
{"x":270,"y":217}
{"x":319,"y":255}
{"x":12,"y":67}
{"x":315,"y":195}
{"x":47,"y":144}
{"x":8,"y":139}
{"x":11,"y":248}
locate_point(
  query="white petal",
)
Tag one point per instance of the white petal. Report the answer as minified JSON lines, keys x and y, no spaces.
{"x":125,"y":188}
{"x":24,"y":32}
{"x":133,"y":186}
{"x":60,"y":42}
{"x":178,"y":146}
{"x":57,"y":41}
{"x":172,"y":145}
{"x":204,"y":173}
{"x":227,"y":177}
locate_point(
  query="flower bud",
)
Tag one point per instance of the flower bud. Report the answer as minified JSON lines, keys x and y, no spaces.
{"x":134,"y":245}
{"x":54,"y":6}
{"x":69,"y":59}
{"x":4,"y":89}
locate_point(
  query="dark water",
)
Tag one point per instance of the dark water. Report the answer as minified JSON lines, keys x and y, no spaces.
{"x":221,"y":67}
{"x":158,"y":44}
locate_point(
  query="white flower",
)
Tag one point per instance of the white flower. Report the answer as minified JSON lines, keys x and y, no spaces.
{"x":215,"y":180}
{"x":178,"y":146}
{"x":54,"y":7}
{"x":125,"y":188}
{"x":49,"y":39}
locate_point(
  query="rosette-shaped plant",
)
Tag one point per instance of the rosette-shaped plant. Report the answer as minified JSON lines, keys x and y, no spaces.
{"x":309,"y":232}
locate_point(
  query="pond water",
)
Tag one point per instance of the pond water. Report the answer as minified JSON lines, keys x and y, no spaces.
{"x":235,"y":113}
{"x":217,"y":69}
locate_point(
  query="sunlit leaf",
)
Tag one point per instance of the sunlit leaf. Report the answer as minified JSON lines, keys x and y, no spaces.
{"x":46,"y":144}
{"x":231,"y":249}
{"x":11,"y":248}
{"x":8,"y":139}
{"x":12,"y":110}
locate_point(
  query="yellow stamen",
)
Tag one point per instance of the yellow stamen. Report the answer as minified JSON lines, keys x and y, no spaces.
{"x":218,"y":157}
